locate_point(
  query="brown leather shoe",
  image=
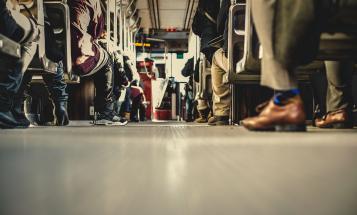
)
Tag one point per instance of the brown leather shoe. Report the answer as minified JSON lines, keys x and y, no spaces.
{"x":289,"y":117}
{"x":339,"y":119}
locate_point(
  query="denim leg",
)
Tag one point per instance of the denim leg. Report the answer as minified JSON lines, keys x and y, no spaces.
{"x":11,"y":75}
{"x":56,"y":85}
{"x":103,"y":81}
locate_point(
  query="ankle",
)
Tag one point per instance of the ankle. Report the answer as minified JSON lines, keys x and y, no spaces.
{"x":281,"y":97}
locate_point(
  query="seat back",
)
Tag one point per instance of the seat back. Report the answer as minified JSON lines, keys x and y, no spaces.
{"x":9,"y":48}
{"x":205,"y":86}
{"x":339,"y":38}
{"x":34,"y":9}
{"x":250,"y":57}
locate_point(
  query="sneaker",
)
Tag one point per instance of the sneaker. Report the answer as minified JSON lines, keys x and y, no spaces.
{"x":110,"y":119}
{"x":218,"y":120}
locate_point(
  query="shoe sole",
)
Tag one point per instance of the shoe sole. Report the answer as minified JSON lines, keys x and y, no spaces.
{"x":7,"y":126}
{"x":341,"y":125}
{"x":109,"y":123}
{"x":218,"y":124}
{"x":280,"y":128}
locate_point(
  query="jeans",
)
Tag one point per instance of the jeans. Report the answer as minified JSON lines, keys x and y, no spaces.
{"x":11,"y":75}
{"x":55,"y":83}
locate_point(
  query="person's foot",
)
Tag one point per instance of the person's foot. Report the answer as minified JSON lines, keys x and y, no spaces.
{"x":288,"y":116}
{"x":218,"y":120}
{"x":339,"y":119}
{"x":8,"y":121}
{"x":134,"y":120}
{"x":61,"y":114}
{"x":20,"y":116}
{"x":110,"y":119}
{"x":203,"y":116}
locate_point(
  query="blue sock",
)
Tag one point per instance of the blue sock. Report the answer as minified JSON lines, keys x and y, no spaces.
{"x":282,"y":96}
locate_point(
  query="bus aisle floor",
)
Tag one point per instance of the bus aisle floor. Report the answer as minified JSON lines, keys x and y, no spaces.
{"x":174,"y":169}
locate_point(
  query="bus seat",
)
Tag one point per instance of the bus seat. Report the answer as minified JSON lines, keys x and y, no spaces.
{"x":40,"y":64}
{"x":9,"y":48}
{"x":205,"y":85}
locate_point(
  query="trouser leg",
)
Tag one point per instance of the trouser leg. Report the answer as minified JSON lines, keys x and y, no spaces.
{"x":274,"y":74}
{"x":202,"y":104}
{"x":11,"y":75}
{"x":103,"y":81}
{"x":56,"y":85}
{"x":221,"y":91}
{"x":135,"y":108}
{"x":339,"y":78}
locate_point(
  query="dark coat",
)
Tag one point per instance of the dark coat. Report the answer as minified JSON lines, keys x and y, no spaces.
{"x":188,"y":68}
{"x":85,"y":51}
{"x":204,"y":27}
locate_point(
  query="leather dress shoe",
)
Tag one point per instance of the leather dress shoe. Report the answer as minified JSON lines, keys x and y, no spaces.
{"x":288,"y":117}
{"x":339,"y":119}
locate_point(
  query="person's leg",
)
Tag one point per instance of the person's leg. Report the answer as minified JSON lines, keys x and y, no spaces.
{"x":203,"y":110}
{"x":104,"y":89}
{"x":103,"y":102}
{"x":135,"y":109}
{"x":285,"y":112}
{"x":274,"y":74}
{"x":339,"y":95}
{"x":56,"y":87}
{"x":221,"y":91}
{"x":11,"y":96}
{"x":339,"y":78}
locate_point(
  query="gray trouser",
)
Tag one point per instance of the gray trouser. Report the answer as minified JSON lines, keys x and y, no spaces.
{"x":339,"y":91}
{"x":221,"y":91}
{"x":289,"y":32}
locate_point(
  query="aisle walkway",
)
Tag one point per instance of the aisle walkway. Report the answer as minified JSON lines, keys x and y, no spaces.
{"x":176,"y":169}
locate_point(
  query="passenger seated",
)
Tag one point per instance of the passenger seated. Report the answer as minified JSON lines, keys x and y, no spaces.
{"x":289,"y":32}
{"x":137,"y":106}
{"x":89,"y":58}
{"x":55,"y":83}
{"x":204,"y":25}
{"x":133,"y":76}
{"x":339,"y":95}
{"x":23,"y":30}
{"x":188,"y":71}
{"x":221,"y":91}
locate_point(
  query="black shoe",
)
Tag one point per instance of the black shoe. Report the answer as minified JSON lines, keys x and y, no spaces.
{"x":134,"y":120}
{"x":218,"y":120}
{"x":7,"y":120}
{"x":110,"y":119}
{"x":60,"y":113}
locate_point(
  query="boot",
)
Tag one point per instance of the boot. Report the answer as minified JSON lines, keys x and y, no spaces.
{"x":7,"y":120}
{"x":203,"y":116}
{"x":18,"y":113}
{"x":60,"y":113}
